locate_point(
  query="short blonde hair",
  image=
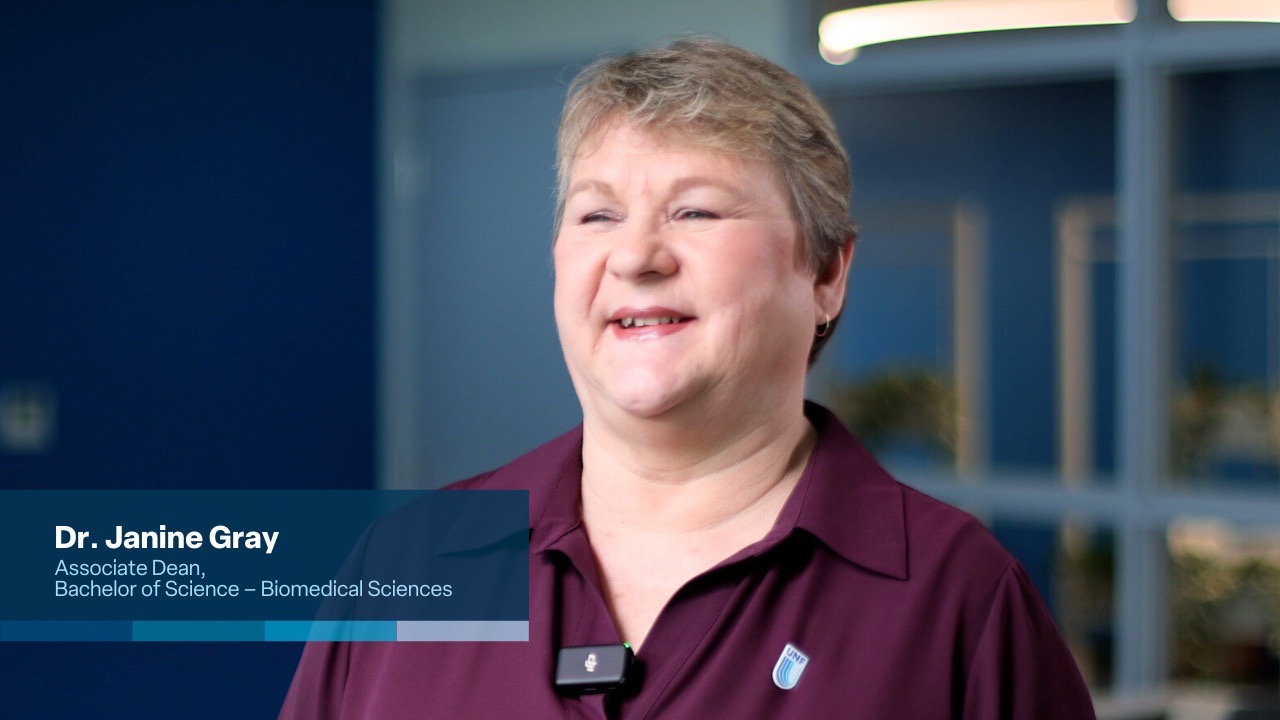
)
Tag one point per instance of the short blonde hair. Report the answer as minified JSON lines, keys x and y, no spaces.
{"x":723,"y":98}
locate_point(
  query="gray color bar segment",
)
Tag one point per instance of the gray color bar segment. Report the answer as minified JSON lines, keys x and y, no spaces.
{"x":462,"y":630}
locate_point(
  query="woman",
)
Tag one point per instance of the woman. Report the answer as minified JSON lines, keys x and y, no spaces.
{"x":758,"y":560}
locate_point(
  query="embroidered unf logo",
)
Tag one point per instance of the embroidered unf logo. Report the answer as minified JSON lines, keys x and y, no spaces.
{"x":790,"y":666}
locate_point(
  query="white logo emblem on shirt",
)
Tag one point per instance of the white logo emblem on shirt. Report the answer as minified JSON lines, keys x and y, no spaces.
{"x":790,"y":666}
{"x":591,"y":662}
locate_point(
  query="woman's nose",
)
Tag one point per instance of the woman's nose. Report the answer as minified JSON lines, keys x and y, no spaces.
{"x":641,"y":250}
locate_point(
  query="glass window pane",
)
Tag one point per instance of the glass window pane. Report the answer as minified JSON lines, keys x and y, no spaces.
{"x":948,"y":359}
{"x":1225,"y":589}
{"x":1225,"y":405}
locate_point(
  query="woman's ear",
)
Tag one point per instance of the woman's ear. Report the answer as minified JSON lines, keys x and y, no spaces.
{"x":829,"y":285}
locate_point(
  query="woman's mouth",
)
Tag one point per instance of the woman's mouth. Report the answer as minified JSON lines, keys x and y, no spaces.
{"x":653,"y":321}
{"x":630,"y":322}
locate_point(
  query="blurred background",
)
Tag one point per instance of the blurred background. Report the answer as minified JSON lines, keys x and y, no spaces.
{"x":306,"y":244}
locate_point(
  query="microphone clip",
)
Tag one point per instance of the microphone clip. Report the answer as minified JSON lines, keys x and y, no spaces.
{"x":590,"y":669}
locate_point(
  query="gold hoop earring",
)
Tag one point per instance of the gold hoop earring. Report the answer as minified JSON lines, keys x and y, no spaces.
{"x":825,"y":328}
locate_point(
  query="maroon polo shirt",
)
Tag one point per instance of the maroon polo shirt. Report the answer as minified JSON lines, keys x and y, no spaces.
{"x":904,"y":607}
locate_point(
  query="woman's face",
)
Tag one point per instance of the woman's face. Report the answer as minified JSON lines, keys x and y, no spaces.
{"x":681,"y":278}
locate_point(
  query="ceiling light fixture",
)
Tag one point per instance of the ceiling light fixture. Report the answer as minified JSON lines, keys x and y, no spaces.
{"x":843,"y":33}
{"x":1225,"y":10}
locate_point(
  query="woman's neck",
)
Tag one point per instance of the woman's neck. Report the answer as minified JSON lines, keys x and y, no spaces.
{"x":658,"y":518}
{"x":666,"y":480}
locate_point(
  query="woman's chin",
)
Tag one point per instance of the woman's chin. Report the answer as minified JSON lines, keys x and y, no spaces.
{"x":649,"y":402}
{"x":644,"y":407}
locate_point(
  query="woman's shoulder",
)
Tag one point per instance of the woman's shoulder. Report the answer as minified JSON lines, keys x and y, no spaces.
{"x":939,"y":533}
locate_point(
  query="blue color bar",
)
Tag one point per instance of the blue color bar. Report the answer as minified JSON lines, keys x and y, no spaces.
{"x":65,"y":631}
{"x":197,"y":631}
{"x":268,"y":631}
{"x":330,"y":631}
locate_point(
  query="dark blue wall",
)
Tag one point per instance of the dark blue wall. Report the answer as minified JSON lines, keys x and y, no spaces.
{"x":187,"y":258}
{"x":188,"y":241}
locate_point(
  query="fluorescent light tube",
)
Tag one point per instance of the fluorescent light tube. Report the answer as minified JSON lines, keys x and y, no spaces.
{"x":843,"y":32}
{"x":1225,"y":10}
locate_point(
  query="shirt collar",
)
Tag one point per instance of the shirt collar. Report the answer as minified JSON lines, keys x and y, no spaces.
{"x":847,"y":501}
{"x":843,"y":498}
{"x":552,"y":473}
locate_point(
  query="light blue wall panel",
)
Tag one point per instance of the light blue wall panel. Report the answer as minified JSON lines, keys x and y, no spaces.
{"x":491,"y":382}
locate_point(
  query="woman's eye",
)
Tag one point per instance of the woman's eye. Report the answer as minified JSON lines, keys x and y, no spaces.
{"x":596,"y":217}
{"x":696,"y":214}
